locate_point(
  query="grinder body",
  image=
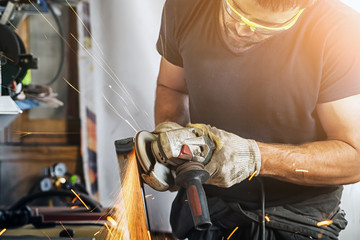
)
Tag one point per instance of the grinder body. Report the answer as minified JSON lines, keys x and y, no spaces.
{"x":176,"y":158}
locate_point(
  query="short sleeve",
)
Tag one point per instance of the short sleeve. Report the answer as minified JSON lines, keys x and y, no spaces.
{"x":341,"y":60}
{"x":167,"y":43}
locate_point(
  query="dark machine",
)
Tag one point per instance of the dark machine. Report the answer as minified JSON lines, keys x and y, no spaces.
{"x":15,"y":61}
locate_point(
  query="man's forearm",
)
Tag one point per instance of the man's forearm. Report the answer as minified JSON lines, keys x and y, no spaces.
{"x":171,"y":105}
{"x":319,"y":163}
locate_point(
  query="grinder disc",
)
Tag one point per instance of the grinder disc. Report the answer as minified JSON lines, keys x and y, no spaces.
{"x":143,"y":142}
{"x":156,"y":175}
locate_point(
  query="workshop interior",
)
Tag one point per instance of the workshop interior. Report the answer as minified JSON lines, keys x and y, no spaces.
{"x":77,"y":81}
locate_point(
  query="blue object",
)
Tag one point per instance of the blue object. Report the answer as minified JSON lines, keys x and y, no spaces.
{"x":26,"y":104}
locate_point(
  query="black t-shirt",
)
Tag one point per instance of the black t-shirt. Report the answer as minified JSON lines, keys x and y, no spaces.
{"x":268,"y":93}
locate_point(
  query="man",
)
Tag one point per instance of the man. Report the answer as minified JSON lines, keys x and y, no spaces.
{"x":280,"y":78}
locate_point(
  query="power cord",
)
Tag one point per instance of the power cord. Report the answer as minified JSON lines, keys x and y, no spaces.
{"x":263,"y":229}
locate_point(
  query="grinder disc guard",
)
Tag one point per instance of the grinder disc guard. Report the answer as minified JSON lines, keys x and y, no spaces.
{"x":155,"y":174}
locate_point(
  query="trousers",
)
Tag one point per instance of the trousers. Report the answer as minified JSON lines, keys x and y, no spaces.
{"x":230,"y":221}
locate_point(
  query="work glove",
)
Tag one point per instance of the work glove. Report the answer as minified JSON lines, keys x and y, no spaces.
{"x":170,"y":180}
{"x":234,"y":158}
{"x":166,"y":126}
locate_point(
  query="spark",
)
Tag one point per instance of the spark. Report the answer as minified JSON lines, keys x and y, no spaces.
{"x":252,"y":175}
{"x":149,"y":195}
{"x":52,"y":26}
{"x":74,"y":200}
{"x":149,"y":234}
{"x":107,"y":227}
{"x":47,"y":235}
{"x":84,"y":25}
{"x":2,"y":231}
{"x":324,"y":223}
{"x":302,"y":170}
{"x":7,"y":19}
{"x":45,"y":36}
{"x":79,"y":198}
{"x":74,"y":207}
{"x":267,"y":218}
{"x":94,"y":209}
{"x":232,"y":233}
{"x":2,"y":55}
{"x":11,"y":24}
{"x":111,"y":220}
{"x":97,"y":233}
{"x":71,"y":85}
{"x":25,"y":133}
{"x":66,"y":230}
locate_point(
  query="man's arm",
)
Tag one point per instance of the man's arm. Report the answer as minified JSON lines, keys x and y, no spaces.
{"x":172,"y":101}
{"x":331,"y":162}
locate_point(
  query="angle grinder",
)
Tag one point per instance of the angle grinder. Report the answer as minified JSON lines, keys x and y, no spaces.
{"x":176,"y":158}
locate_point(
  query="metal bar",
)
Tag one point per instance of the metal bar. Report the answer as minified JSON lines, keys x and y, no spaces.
{"x":8,"y":12}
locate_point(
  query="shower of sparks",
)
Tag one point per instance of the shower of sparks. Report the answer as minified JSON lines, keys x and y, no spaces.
{"x":65,"y":230}
{"x":252,"y":175}
{"x":324,"y":223}
{"x":84,"y":25}
{"x":267,"y":218}
{"x":125,"y":108}
{"x":79,"y":198}
{"x":71,"y":85}
{"x":129,"y":206}
{"x":117,"y":113}
{"x":232,"y":233}
{"x":2,"y":231}
{"x":302,"y":170}
{"x":52,"y":26}
{"x":111,"y":74}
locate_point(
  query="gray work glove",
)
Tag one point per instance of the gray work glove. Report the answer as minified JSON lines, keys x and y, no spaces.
{"x":166,"y":126}
{"x":234,"y":159}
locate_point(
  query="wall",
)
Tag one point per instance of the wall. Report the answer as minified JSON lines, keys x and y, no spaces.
{"x":118,"y":72}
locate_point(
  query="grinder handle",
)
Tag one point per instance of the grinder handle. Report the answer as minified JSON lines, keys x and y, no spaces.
{"x":192,"y":180}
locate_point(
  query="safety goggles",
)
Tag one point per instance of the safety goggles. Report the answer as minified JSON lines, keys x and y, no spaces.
{"x":256,"y":27}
